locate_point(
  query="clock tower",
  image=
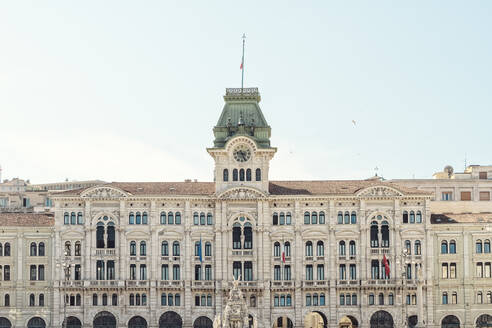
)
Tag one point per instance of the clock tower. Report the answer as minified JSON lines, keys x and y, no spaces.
{"x":242,"y":150}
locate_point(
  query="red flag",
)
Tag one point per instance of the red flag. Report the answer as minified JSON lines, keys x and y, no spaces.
{"x":386,"y":266}
{"x":241,"y":67}
{"x":283,"y":253}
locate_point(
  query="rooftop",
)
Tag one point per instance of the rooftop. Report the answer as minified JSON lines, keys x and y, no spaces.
{"x":447,"y":218}
{"x":27,"y":219}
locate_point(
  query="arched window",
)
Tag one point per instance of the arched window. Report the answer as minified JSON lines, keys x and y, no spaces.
{"x":371,"y":299}
{"x":322,"y":299}
{"x":6,"y":300}
{"x":145,"y":219}
{"x":209,"y":219}
{"x":445,"y":298}
{"x":444,"y":247}
{"x":408,"y":247}
{"x":321,"y":217}
{"x":352,"y":250}
{"x":105,"y":299}
{"x":208,"y":249}
{"x":374,"y":234}
{"x":391,"y":299}
{"x":320,"y":248}
{"x":419,"y":217}
{"x":196,"y":220}
{"x":479,"y":298}
{"x":131,"y":218}
{"x":385,"y":241}
{"x":405,"y":217}
{"x":341,"y":248}
{"x":197,"y":248}
{"x":234,"y":175}
{"x":114,"y":299}
{"x":486,"y":246}
{"x":1,"y":250}
{"x":225,"y":175}
{"x":7,"y":249}
{"x":32,"y":300}
{"x":73,"y":219}
{"x":33,"y":249}
{"x":41,"y":249}
{"x":276,"y":249}
{"x":79,"y":218}
{"x":241,"y":175}
{"x":170,"y":218}
{"x":248,"y":174}
{"x":282,"y":218}
{"x":314,"y":218}
{"x":138,"y":218}
{"x":144,"y":299}
{"x":236,"y":236}
{"x":309,"y":248}
{"x":111,"y":235}
{"x":381,"y":299}
{"x":418,"y":248}
{"x":94,"y":299}
{"x":66,"y":218}
{"x":143,"y":248}
{"x":163,"y":299}
{"x":287,"y":248}
{"x":288,"y":219}
{"x":176,"y":248}
{"x":275,"y":219}
{"x":258,"y":174}
{"x":202,"y":218}
{"x":353,"y":218}
{"x":164,"y":248}
{"x":478,"y":246}
{"x":132,"y":299}
{"x":452,"y":247}
{"x":163,"y":217}
{"x":68,"y":249}
{"x":307,"y":218}
{"x":340,"y":218}
{"x":41,"y":300}
{"x":248,"y":236}
{"x":412,"y":217}
{"x":346,"y":218}
{"x":178,"y":218}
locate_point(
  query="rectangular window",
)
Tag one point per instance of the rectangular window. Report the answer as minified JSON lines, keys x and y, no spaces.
{"x":208,"y":272}
{"x":353,"y":272}
{"x":321,"y":272}
{"x":479,"y":270}
{"x":487,"y":270}
{"x":276,"y":272}
{"x":287,"y":274}
{"x":309,"y":272}
{"x":447,"y":195}
{"x":485,"y":195}
{"x":444,"y":270}
{"x":452,"y":271}
{"x":165,"y":272}
{"x":466,"y":195}
{"x":482,"y":175}
{"x":343,"y":273}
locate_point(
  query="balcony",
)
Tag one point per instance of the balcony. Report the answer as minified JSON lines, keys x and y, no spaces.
{"x":137,"y":283}
{"x":170,"y":283}
{"x":245,"y":284}
{"x":104,"y":283}
{"x":242,"y":252}
{"x":105,"y":252}
{"x":375,"y":282}
{"x":72,"y":283}
{"x":207,"y":284}
{"x":283,"y":284}
{"x":315,"y":283}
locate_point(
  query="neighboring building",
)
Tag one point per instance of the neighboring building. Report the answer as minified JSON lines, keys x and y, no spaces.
{"x":360,"y":253}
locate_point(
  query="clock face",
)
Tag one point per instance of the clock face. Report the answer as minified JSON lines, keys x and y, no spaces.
{"x":242,"y":153}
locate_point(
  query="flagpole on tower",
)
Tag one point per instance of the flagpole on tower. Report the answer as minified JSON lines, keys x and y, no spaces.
{"x":242,"y":65}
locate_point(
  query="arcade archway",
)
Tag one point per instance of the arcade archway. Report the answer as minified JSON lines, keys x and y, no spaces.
{"x":283,"y":322}
{"x":348,"y":322}
{"x":137,"y":322}
{"x":36,"y":322}
{"x":104,"y":320}
{"x":484,"y":320}
{"x":382,"y":319}
{"x":450,"y":321}
{"x":315,"y":319}
{"x":5,"y":323}
{"x":170,"y":320}
{"x":412,"y":321}
{"x":203,"y":322}
{"x":72,"y":322}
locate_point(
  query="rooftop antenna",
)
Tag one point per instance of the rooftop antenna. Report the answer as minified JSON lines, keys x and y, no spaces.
{"x":465,"y":162}
{"x":242,"y":65}
{"x":376,"y":171}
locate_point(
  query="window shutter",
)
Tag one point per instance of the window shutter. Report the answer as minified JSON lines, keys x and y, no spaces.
{"x":466,"y":195}
{"x":485,"y":195}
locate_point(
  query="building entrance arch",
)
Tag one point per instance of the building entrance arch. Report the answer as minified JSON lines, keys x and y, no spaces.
{"x":412,"y":321}
{"x":5,"y":323}
{"x":72,"y":322}
{"x":382,"y":319}
{"x":36,"y":322}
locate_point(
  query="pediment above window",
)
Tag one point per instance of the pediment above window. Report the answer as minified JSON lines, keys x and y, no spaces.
{"x":379,"y":191}
{"x":242,"y":193}
{"x":103,"y":193}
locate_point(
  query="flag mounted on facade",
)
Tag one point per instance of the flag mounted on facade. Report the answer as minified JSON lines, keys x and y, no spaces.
{"x":283,"y":252}
{"x":200,"y":250}
{"x":386,"y":266}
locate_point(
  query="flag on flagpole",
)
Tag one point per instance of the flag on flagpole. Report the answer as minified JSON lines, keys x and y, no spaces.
{"x":386,"y":266}
{"x":241,"y":67}
{"x":200,"y":250}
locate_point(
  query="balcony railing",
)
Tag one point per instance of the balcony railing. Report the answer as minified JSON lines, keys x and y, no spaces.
{"x":103,"y":251}
{"x":242,"y":252}
{"x":203,"y":283}
{"x":170,"y":283}
{"x":314,"y":283}
{"x":279,"y":283}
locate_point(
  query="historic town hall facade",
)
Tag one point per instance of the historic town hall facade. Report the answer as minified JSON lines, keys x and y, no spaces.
{"x":307,"y":253}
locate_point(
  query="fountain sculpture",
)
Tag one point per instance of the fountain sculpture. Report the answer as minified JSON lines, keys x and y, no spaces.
{"x":235,"y":314}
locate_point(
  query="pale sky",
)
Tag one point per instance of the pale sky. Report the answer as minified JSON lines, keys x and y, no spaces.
{"x":130,"y":90}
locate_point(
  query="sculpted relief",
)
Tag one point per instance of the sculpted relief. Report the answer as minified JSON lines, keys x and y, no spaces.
{"x":242,"y":193}
{"x":103,"y":192}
